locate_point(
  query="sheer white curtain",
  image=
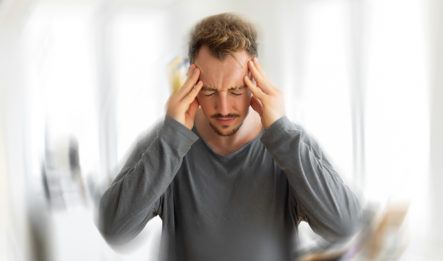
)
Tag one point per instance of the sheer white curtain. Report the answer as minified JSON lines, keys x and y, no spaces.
{"x":363,"y":91}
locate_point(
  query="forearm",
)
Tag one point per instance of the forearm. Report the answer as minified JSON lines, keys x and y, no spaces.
{"x":134,"y":196}
{"x":332,"y":208}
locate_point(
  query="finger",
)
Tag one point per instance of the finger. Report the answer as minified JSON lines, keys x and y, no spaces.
{"x":190,"y":69}
{"x":259,"y":78}
{"x":193,"y":93}
{"x":192,"y":78}
{"x":257,"y":92}
{"x":189,"y":83}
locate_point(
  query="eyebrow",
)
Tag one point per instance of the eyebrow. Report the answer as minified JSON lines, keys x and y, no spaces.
{"x":235,"y":88}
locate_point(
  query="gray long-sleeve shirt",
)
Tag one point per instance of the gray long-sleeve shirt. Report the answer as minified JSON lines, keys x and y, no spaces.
{"x":242,"y":206}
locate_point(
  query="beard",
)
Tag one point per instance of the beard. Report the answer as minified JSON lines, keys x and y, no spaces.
{"x":225,"y":134}
{"x":218,"y":131}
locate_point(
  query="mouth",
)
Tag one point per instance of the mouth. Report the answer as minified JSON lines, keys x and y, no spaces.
{"x":225,"y":121}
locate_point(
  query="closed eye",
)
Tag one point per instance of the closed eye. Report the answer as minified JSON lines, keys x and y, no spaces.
{"x":237,"y":91}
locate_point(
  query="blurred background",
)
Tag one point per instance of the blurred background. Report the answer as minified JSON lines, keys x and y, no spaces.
{"x":80,"y":80}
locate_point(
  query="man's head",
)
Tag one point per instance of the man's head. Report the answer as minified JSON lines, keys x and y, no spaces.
{"x":223,"y":34}
{"x":221,"y":45}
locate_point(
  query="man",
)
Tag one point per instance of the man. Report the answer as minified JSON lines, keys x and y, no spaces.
{"x":228,"y":182}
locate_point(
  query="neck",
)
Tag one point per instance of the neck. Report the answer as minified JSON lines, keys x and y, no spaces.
{"x":250,"y":128}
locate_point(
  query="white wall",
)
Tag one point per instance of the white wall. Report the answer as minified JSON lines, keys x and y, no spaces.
{"x":13,"y":136}
{"x":436,"y":116}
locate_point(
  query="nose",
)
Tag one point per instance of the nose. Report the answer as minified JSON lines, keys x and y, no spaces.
{"x":223,"y":105}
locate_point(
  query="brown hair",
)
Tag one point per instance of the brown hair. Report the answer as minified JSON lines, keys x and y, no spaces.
{"x":223,"y":34}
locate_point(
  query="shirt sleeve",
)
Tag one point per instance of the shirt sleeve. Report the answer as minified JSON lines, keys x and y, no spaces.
{"x":134,"y":196}
{"x":330,"y":207}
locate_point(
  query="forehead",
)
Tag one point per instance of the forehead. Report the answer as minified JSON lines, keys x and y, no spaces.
{"x":222,"y":74}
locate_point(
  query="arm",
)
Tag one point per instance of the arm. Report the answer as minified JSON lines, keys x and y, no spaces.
{"x":330,"y":207}
{"x":134,"y":196}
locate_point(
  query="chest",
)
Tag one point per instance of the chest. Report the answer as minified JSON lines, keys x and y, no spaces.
{"x":225,"y":191}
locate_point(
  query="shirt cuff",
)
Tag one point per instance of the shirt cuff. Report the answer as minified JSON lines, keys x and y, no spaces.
{"x":279,"y":130}
{"x":177,"y":135}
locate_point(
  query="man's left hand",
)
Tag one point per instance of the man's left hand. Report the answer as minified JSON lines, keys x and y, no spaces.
{"x":267,"y":100}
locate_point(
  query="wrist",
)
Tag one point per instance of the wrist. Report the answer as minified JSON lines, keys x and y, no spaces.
{"x":268,"y":124}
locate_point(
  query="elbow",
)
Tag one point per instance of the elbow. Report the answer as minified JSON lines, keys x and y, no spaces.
{"x":106,"y":223}
{"x":110,"y":233}
{"x":348,"y":225}
{"x":117,"y":229}
{"x":340,"y":230}
{"x":343,"y":225}
{"x":350,"y":218}
{"x":347,"y":228}
{"x":106,"y":229}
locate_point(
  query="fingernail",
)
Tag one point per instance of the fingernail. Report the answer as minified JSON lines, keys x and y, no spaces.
{"x":250,"y":62}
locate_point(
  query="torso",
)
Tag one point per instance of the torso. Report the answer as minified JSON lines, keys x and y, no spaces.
{"x":219,"y":206}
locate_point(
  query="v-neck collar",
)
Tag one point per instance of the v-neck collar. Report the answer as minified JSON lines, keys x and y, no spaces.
{"x":232,"y":154}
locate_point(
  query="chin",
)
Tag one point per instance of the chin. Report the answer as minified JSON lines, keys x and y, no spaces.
{"x":225,"y":131}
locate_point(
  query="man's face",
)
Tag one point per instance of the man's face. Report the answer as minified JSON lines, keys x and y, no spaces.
{"x":224,"y":97}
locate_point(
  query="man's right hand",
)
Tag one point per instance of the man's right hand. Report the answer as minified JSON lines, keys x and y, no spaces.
{"x":183,"y":104}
